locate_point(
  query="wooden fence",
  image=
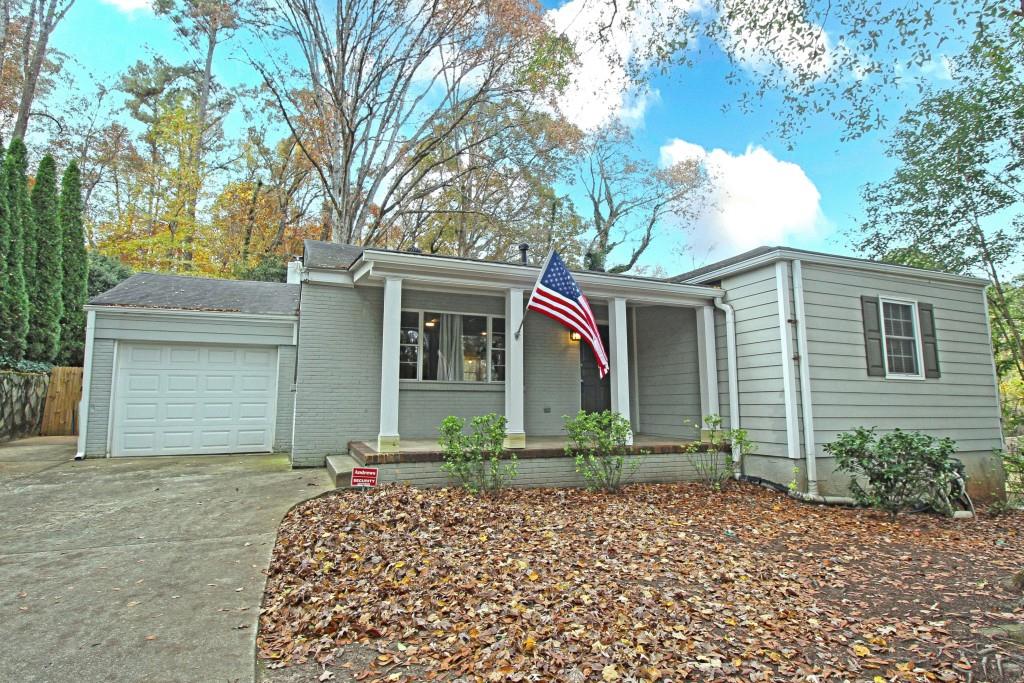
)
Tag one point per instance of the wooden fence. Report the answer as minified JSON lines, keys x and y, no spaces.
{"x":60,"y":416}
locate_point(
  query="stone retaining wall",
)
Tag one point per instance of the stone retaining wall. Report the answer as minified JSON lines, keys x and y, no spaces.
{"x":22,"y":399}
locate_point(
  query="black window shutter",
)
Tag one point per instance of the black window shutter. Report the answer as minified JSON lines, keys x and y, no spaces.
{"x":873,"y":348}
{"x":929,"y":343}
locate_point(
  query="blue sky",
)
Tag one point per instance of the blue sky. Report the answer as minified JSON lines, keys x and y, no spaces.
{"x":803,"y":197}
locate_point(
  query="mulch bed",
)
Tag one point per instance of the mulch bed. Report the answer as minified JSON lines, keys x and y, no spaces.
{"x":660,"y":582}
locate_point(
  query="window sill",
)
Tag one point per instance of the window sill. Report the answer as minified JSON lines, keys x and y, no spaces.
{"x":431,"y":385}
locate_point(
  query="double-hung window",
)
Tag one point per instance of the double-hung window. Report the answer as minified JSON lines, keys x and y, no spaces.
{"x":452,"y":347}
{"x":901,"y":335}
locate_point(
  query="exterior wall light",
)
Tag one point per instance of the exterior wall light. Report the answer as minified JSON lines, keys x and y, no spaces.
{"x":575,"y":336}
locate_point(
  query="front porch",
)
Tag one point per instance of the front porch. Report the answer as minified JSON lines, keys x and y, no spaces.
{"x":542,"y":463}
{"x":454,"y":349}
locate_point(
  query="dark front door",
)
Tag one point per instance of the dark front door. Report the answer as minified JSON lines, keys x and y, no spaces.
{"x":595,"y":393}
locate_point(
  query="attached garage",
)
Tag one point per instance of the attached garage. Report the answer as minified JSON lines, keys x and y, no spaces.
{"x":173,"y":399}
{"x":189,"y":366}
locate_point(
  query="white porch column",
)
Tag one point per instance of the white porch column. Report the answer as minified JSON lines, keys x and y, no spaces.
{"x":707,"y":362}
{"x":387,"y":439}
{"x":514,"y":376}
{"x":618,"y":356}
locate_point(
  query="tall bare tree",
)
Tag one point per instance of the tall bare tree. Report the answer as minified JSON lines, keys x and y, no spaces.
{"x":631,"y":199}
{"x":40,"y":21}
{"x":383,"y":86}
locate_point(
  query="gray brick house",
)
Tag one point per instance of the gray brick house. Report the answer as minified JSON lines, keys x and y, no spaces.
{"x":365,"y":350}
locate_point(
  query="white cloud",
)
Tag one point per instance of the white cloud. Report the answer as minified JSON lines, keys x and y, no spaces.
{"x":756,"y":199}
{"x":601,"y":88}
{"x":129,"y":6}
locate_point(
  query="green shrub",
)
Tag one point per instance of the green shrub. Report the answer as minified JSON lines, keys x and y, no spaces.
{"x":897,"y":471}
{"x":26,"y":366}
{"x":1013,"y":466}
{"x":712,"y":469}
{"x":599,"y":442}
{"x":474,"y":460}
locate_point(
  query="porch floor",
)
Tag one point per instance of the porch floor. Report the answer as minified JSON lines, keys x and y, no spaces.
{"x":428,"y":450}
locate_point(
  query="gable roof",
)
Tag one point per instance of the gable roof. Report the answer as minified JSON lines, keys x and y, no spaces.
{"x":711,"y":267}
{"x":181,"y":292}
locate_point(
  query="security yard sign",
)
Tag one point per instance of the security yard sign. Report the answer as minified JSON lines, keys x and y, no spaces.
{"x":364,"y":476}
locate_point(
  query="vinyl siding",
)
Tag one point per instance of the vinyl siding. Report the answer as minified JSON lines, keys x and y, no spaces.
{"x":193,"y":327}
{"x":667,"y":371}
{"x":961,"y":404}
{"x":99,"y":397}
{"x":754,"y":298}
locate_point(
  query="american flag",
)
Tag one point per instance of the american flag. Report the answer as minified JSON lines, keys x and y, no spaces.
{"x":557,"y":296}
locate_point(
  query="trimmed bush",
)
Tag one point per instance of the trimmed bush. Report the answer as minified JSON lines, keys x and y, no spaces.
{"x":599,"y":442}
{"x":474,"y":460}
{"x":711,"y":467}
{"x":75,"y":279}
{"x":45,"y":283}
{"x":898,"y":471}
{"x":14,"y":306}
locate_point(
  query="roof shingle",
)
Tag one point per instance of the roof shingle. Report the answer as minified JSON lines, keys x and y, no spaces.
{"x":180,"y":292}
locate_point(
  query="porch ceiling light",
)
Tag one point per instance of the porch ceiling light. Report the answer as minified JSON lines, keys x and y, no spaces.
{"x":575,"y":336}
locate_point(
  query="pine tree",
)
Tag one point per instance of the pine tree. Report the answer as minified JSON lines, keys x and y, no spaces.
{"x":46,"y":300}
{"x":13,"y":296}
{"x":76,"y":269}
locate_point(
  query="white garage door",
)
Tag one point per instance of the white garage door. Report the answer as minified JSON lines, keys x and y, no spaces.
{"x":179,"y":399}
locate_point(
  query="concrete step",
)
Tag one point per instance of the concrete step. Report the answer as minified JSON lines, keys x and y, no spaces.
{"x":339,"y":467}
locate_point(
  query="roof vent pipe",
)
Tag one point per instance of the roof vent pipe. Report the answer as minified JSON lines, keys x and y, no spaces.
{"x":524,"y":258}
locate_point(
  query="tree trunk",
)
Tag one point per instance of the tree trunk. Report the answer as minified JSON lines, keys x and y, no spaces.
{"x":5,"y":24}
{"x":1002,"y":306}
{"x":34,"y":66}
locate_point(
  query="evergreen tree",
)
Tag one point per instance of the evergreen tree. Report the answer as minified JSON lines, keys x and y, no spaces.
{"x":46,"y":300}
{"x":76,"y":269}
{"x":14,"y":307}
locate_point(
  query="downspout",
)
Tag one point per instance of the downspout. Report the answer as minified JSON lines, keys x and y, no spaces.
{"x":83,"y":404}
{"x":806,"y":399}
{"x":733,"y":373}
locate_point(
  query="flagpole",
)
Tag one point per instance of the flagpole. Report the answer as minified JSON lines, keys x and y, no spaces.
{"x":543,"y":269}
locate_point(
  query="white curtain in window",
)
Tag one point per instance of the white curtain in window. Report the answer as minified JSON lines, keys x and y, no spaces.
{"x":449,"y":360}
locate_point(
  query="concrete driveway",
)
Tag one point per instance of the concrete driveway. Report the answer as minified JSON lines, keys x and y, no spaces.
{"x":136,"y":569}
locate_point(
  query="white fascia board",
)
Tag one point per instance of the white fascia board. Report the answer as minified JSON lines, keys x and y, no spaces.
{"x":185,"y":313}
{"x":454,"y":273}
{"x":840,"y":262}
{"x":327,"y":276}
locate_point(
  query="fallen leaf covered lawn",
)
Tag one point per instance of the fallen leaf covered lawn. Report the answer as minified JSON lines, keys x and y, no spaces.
{"x":660,"y":582}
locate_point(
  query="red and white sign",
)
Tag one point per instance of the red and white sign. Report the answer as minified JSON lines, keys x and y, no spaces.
{"x":364,"y":476}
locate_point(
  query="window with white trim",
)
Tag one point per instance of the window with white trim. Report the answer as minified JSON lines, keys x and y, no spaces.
{"x":902,"y":339}
{"x":452,"y":347}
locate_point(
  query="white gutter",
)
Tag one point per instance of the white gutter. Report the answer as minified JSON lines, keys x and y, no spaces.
{"x":83,"y":404}
{"x":807,"y":402}
{"x":733,"y":373}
